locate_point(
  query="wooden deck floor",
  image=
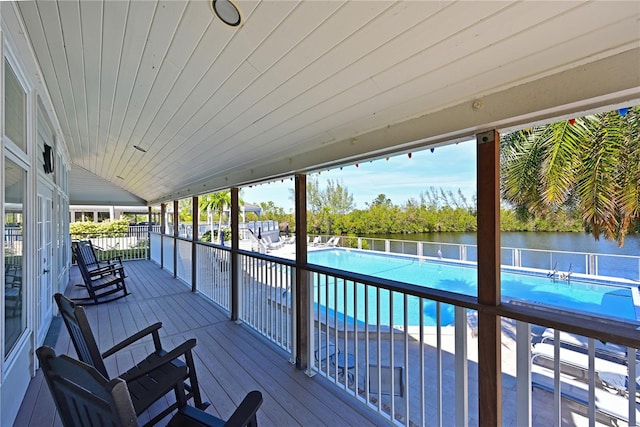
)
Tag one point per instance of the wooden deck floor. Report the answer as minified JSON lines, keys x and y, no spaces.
{"x":230,"y":359}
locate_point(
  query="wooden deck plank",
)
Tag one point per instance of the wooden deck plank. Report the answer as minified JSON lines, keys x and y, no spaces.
{"x":290,"y":394}
{"x":231,"y":360}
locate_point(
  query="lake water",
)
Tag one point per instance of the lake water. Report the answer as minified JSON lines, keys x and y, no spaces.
{"x":551,"y":248}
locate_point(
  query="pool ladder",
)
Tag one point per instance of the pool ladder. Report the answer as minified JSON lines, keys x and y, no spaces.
{"x":555,"y":275}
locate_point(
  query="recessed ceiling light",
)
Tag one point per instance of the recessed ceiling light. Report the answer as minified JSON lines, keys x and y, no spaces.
{"x":139,"y":148}
{"x":227,"y":12}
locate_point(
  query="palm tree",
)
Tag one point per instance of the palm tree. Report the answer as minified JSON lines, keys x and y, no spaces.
{"x":591,"y":164}
{"x":215,"y":203}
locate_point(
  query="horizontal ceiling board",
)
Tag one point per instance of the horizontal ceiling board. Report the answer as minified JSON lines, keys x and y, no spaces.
{"x":193,"y":66}
{"x":297,"y":25}
{"x":115,"y":15}
{"x":142,"y":86}
{"x":193,"y":25}
{"x":69,"y":14}
{"x":259,"y":112}
{"x":327,"y":89}
{"x":30,"y":16}
{"x":214,"y":125}
{"x":200,"y":117}
{"x":264,"y":19}
{"x":91,"y":26}
{"x":135,"y":41}
{"x":156,"y":75}
{"x":55,"y":73}
{"x":469,"y":67}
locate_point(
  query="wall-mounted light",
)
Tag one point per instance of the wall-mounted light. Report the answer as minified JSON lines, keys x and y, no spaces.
{"x":47,"y":155}
{"x":139,"y":148}
{"x":227,"y":12}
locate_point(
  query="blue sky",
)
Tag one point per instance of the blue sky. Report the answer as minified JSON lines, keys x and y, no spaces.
{"x":400,"y":178}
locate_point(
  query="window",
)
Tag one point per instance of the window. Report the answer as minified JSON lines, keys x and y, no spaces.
{"x":15,"y":104}
{"x":14,"y":307}
{"x":103,"y":216}
{"x":80,"y":216}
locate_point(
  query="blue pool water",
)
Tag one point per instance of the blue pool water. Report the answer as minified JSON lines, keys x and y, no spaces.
{"x":591,"y":297}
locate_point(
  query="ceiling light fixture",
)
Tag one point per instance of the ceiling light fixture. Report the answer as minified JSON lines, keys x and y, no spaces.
{"x":139,"y":148}
{"x":227,"y":11}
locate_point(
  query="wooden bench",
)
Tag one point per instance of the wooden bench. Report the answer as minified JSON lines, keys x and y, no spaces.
{"x":104,"y":282}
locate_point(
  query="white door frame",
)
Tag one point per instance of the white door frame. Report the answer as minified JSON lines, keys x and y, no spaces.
{"x":44,"y":262}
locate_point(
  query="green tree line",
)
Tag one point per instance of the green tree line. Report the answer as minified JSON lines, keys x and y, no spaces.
{"x":423,"y":216}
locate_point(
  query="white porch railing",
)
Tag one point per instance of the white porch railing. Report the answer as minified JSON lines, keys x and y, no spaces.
{"x":362,"y":341}
{"x":266,"y":287}
{"x":212,"y":278}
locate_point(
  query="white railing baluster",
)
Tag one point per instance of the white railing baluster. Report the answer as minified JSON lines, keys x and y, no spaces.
{"x":379,"y":347}
{"x":462,"y":368}
{"x":392,"y":351}
{"x":405,"y":371}
{"x":290,"y":313}
{"x":423,"y":420}
{"x":557,"y":409}
{"x":356,"y":353}
{"x":367,"y":353}
{"x":336,"y":327}
{"x":591,"y":380}
{"x":523,"y":376}
{"x":632,"y":388}
{"x":345,"y":323}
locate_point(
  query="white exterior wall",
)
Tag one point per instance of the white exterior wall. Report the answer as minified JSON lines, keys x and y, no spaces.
{"x":20,"y":364}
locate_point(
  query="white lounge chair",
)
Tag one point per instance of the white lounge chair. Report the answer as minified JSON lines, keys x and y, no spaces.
{"x":333,"y":242}
{"x":611,"y":373}
{"x":271,"y":244}
{"x":580,"y":342}
{"x":606,"y":403}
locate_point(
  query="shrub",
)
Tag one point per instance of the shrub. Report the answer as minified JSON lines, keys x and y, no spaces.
{"x":82,"y":230}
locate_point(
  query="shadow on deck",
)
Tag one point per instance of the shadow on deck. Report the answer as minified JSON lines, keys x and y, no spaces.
{"x":230,"y":359}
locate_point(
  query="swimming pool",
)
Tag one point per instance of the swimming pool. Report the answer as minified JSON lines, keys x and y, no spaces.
{"x":594,"y":297}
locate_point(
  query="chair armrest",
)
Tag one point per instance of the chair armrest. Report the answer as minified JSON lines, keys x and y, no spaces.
{"x":103,"y":270}
{"x":188,"y":416}
{"x":152,"y":329}
{"x":246,"y":411}
{"x":117,"y":259}
{"x":169,"y":357}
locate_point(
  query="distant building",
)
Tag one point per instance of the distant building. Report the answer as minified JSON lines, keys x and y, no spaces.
{"x":100,"y":213}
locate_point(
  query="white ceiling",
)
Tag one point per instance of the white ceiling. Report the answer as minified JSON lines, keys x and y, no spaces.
{"x":305,"y":84}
